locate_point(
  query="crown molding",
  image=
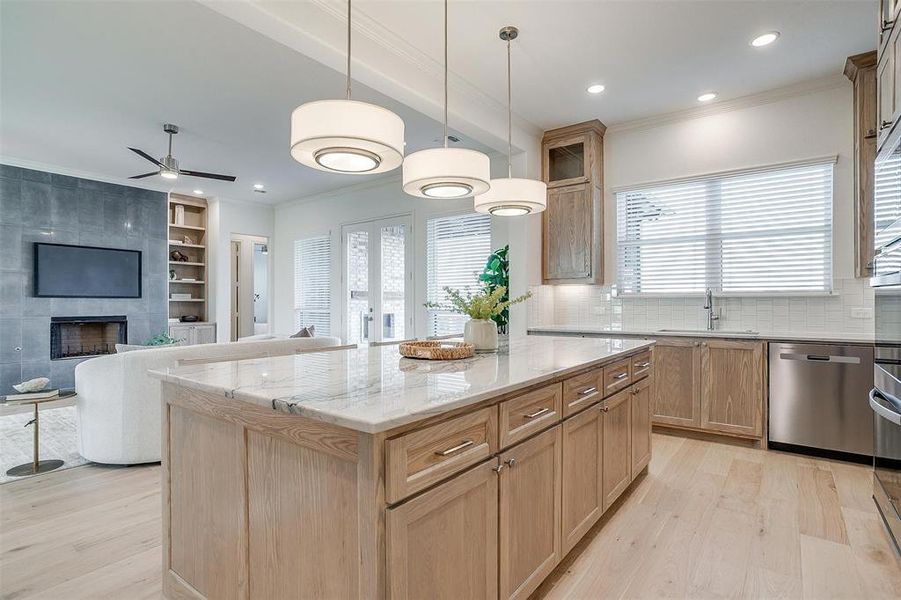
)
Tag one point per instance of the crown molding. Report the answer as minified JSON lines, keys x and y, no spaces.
{"x":762,"y":98}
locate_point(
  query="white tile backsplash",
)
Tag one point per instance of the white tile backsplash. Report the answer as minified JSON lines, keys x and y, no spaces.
{"x":596,"y":307}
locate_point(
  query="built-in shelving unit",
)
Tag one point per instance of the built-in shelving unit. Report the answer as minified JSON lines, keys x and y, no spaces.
{"x":187,"y":235}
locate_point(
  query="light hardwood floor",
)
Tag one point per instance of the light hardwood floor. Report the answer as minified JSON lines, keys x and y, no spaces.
{"x":708,"y":520}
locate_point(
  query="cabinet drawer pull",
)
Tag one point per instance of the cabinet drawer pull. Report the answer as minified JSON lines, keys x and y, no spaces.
{"x":887,"y":25}
{"x":643,"y":365}
{"x":538,"y":413}
{"x":510,"y":462}
{"x":588,"y":391}
{"x":885,"y":125}
{"x":605,"y":408}
{"x":457,"y":448}
{"x":620,"y":376}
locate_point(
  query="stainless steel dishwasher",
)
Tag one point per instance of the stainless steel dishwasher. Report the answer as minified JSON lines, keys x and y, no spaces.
{"x":815,"y":400}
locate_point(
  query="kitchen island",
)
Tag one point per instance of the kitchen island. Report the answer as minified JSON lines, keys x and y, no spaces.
{"x":362,"y":474}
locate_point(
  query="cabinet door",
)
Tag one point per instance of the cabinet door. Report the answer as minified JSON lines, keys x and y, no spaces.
{"x":617,"y":435}
{"x":567,"y":232}
{"x":886,"y":86}
{"x":675,"y":390}
{"x":530,"y":532}
{"x":641,"y":425}
{"x":185,"y":333}
{"x":566,"y":161}
{"x":583,"y":485}
{"x":204,"y":334}
{"x":443,"y":544}
{"x":732,"y":386}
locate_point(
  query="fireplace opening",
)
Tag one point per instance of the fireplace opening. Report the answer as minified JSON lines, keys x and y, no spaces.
{"x":80,"y":337}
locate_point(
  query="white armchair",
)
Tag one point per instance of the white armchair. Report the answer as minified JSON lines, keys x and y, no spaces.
{"x":118,"y":408}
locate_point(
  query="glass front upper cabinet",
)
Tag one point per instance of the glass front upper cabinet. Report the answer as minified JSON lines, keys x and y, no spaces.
{"x":566,"y":161}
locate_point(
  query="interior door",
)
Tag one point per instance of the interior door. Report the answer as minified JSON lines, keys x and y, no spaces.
{"x":377,"y":280}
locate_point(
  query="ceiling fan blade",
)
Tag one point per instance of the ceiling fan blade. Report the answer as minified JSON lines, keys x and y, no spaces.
{"x":145,"y":175}
{"x":147,"y":156}
{"x":206,"y":175}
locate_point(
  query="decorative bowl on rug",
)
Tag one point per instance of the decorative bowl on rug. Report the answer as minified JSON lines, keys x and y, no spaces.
{"x":437,"y":350}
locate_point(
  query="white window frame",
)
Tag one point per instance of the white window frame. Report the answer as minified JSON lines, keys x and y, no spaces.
{"x":713,"y":278}
{"x":299,"y":277}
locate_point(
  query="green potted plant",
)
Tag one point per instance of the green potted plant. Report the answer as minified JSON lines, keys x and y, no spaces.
{"x":162,"y":339}
{"x":481,"y":308}
{"x":497,"y":274}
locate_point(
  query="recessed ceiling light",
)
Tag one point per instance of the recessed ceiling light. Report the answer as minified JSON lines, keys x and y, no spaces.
{"x":198,"y":192}
{"x":707,"y":97}
{"x":258,"y":186}
{"x":595,"y":88}
{"x":765,"y":39}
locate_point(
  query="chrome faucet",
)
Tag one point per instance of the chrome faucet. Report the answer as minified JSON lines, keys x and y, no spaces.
{"x":713,"y":315}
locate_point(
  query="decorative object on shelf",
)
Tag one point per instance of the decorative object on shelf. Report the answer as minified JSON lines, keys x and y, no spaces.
{"x":481,"y":308}
{"x":437,"y":350}
{"x":172,"y":275}
{"x":180,"y":296}
{"x":162,"y":339}
{"x":446,"y":172}
{"x":177,"y":256}
{"x":189,"y":318}
{"x":187,"y":240}
{"x":347,"y":136}
{"x":179,"y":214}
{"x":510,"y":196}
{"x":32,"y":385}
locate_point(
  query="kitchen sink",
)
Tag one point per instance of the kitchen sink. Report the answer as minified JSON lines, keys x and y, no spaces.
{"x":714,"y":333}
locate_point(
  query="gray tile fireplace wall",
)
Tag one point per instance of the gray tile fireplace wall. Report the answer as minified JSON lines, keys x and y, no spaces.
{"x":44,"y":207}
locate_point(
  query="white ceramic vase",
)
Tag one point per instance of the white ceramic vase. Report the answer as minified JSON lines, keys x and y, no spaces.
{"x":481,"y":333}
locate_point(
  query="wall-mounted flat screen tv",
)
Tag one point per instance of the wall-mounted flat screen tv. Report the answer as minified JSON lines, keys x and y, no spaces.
{"x":63,"y":271}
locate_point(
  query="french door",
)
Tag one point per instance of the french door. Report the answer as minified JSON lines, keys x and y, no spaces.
{"x":377,"y":280}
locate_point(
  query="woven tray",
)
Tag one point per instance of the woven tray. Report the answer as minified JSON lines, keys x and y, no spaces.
{"x":437,"y":350}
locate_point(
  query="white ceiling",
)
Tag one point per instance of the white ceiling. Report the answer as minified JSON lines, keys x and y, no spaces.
{"x":653,"y":57}
{"x":82,"y":81}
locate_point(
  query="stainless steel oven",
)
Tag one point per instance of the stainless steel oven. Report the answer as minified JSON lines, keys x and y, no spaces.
{"x":885,"y":397}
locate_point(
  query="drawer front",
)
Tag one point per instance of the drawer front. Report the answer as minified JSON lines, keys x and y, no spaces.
{"x":582,"y":391}
{"x":530,"y":413}
{"x":616,"y":376}
{"x":640,"y":365}
{"x":418,"y":459}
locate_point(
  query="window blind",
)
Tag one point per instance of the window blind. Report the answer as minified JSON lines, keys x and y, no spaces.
{"x":312,"y":284}
{"x":457,"y":248}
{"x":756,"y":232}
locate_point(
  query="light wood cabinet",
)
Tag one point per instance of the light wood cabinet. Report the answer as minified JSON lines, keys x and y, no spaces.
{"x":583,"y":483}
{"x":676,"y":387}
{"x":888,"y":77}
{"x":641,"y":426}
{"x":617,"y":445}
{"x":732,"y":386}
{"x":529,"y":513}
{"x":194,"y":333}
{"x":530,"y":413}
{"x":861,"y":70}
{"x":443,"y":544}
{"x":573,"y":223}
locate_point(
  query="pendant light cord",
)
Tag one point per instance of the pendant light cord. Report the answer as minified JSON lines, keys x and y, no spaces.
{"x":509,"y":118}
{"x":348,"y":49}
{"x":445,"y":73}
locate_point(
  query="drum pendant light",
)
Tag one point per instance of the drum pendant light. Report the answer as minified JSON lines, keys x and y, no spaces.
{"x":510,"y":196}
{"x":446,"y":172}
{"x":347,"y":136}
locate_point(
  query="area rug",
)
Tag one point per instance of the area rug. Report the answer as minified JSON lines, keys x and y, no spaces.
{"x":57,"y":440}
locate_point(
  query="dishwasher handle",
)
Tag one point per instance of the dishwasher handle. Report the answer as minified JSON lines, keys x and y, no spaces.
{"x":822,"y":358}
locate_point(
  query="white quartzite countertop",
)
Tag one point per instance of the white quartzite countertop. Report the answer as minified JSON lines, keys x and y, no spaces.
{"x":375,"y":389}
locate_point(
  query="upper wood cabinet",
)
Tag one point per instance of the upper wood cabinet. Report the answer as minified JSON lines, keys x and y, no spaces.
{"x":530,"y":532}
{"x":732,"y":386}
{"x":861,"y":70}
{"x":888,"y":74}
{"x":676,"y":386}
{"x":573,"y":223}
{"x":443,"y":544}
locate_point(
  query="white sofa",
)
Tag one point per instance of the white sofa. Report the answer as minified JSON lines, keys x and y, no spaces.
{"x":118,"y":407}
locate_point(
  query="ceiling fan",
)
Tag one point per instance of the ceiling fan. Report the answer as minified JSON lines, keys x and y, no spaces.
{"x":168,"y":166}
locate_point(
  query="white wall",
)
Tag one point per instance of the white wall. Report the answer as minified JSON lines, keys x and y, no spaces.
{"x":815,"y":124}
{"x":227,"y":217}
{"x":326,"y":213}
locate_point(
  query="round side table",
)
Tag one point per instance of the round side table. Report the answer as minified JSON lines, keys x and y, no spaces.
{"x":37,"y":465}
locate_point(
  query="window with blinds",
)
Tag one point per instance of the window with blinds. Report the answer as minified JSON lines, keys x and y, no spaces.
{"x":887,"y":200}
{"x":313,"y":284}
{"x":766,"y":231}
{"x":457,"y":248}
